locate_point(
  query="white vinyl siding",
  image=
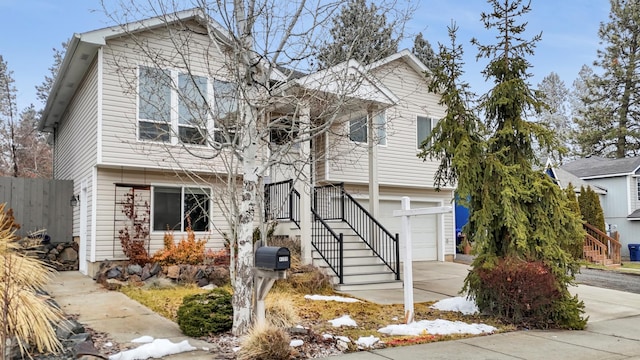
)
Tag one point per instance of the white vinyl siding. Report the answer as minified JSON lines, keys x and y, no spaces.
{"x":75,"y":144}
{"x":397,"y":161}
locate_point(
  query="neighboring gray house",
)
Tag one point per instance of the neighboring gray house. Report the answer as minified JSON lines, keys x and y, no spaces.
{"x":619,"y":178}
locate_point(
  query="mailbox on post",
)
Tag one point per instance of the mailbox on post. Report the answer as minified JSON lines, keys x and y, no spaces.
{"x":272,"y":258}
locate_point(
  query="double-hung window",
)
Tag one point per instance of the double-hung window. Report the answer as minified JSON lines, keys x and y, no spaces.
{"x":154,"y":104}
{"x":173,"y":106}
{"x":225,"y":98}
{"x":358,"y":129}
{"x":423,"y":129}
{"x":174,"y":208}
{"x":193,"y":109}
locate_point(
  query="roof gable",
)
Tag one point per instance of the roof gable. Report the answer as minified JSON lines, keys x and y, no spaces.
{"x":406,"y":56}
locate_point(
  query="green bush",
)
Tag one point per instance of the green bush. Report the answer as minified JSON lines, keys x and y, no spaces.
{"x":204,"y":314}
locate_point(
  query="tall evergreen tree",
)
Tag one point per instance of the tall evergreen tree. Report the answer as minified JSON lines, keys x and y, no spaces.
{"x":591,"y":209}
{"x":610,"y":125}
{"x":516,"y":213}
{"x":577,"y":248}
{"x":424,"y":52}
{"x":592,"y":117}
{"x":8,"y":121}
{"x":42,"y":90}
{"x":360,"y":32}
{"x":555,"y":115}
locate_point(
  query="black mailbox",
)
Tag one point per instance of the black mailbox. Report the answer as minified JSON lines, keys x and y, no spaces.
{"x":273,"y":258}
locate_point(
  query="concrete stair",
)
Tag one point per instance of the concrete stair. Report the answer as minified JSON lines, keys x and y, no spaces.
{"x":362,"y":269}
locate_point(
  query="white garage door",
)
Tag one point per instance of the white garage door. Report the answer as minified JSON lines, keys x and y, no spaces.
{"x":424,"y":229}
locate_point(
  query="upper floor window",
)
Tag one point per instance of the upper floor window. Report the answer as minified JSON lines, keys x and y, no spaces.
{"x":380,"y":128}
{"x":154,"y":104}
{"x":358,"y":129}
{"x":177,"y":107}
{"x":423,"y":129}
{"x":193,"y":111}
{"x":175,"y":207}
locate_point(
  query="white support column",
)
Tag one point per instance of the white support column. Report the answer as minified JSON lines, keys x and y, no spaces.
{"x":408,"y":262}
{"x":374,"y":191}
{"x":441,"y":235}
{"x":306,"y":186}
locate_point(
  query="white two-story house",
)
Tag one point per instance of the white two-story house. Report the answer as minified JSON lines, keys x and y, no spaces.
{"x":121,"y":129}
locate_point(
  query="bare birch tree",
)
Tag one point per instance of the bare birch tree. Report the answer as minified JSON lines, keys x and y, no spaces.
{"x":266,"y":110}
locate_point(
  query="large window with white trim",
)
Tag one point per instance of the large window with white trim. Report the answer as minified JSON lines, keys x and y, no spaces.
{"x":174,"y":208}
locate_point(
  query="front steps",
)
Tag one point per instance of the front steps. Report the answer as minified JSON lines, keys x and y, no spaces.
{"x":362,"y":269}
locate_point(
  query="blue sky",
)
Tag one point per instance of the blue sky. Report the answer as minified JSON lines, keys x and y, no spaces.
{"x":31,"y":28}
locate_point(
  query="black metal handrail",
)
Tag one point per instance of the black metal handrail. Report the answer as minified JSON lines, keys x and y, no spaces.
{"x":332,"y":202}
{"x":282,"y":202}
{"x":385,"y":245}
{"x":329,"y":245}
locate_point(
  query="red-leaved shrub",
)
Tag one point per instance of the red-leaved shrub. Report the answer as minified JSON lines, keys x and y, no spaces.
{"x":519,"y":292}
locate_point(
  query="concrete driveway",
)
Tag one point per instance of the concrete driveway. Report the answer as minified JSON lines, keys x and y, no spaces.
{"x":432,"y":281}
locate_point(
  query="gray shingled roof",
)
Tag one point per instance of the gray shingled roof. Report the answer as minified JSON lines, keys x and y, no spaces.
{"x":564,"y":177}
{"x":597,"y":166}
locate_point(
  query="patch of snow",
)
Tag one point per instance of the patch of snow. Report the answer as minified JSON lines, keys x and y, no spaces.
{"x":156,"y":349}
{"x":235,"y":349}
{"x":344,"y":320}
{"x":395,"y":318}
{"x":331,"y":298}
{"x":208,"y":287}
{"x":205,"y":349}
{"x":143,"y":339}
{"x":109,"y":344}
{"x":296,"y":343}
{"x":344,"y":338}
{"x":436,"y":327}
{"x":367,"y":342}
{"x":459,"y":303}
{"x":327,"y":336}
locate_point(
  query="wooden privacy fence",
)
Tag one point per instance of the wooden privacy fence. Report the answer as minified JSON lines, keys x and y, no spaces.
{"x":40,"y":204}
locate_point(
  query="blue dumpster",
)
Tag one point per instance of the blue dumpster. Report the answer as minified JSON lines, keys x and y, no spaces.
{"x":634,"y":252}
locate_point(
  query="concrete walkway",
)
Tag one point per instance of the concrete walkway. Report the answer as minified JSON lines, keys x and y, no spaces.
{"x":116,"y":314}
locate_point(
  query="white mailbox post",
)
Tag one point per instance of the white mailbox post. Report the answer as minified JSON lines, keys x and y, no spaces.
{"x":405,"y":236}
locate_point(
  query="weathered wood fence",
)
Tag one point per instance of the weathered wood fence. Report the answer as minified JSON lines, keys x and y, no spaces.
{"x":40,"y":204}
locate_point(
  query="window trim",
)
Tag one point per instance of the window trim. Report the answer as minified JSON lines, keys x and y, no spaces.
{"x":182,"y":188}
{"x":418,"y":142}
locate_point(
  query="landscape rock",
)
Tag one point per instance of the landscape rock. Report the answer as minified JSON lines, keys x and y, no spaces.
{"x":114,"y":273}
{"x":173,"y":272}
{"x":67,"y":328}
{"x":134,"y":269}
{"x":155,"y":269}
{"x":68,"y":255}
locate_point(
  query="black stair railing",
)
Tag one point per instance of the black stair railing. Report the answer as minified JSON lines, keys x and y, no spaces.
{"x":282,"y":202}
{"x":329,"y":245}
{"x":332,"y":202}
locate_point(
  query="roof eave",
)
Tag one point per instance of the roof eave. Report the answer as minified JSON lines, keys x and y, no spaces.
{"x":80,"y":53}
